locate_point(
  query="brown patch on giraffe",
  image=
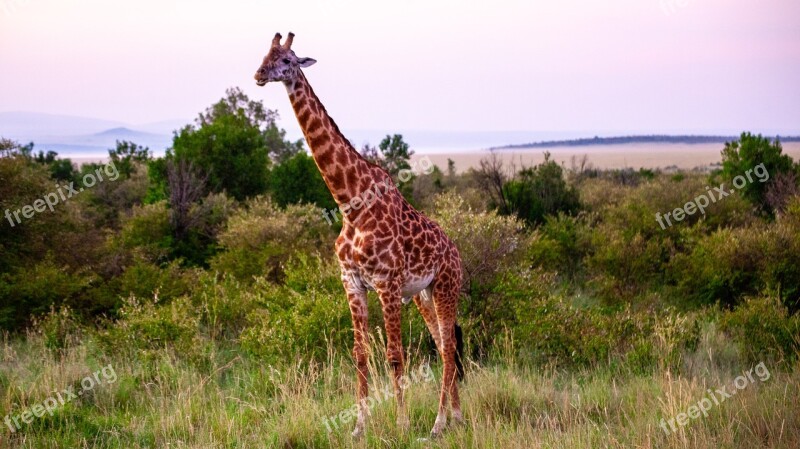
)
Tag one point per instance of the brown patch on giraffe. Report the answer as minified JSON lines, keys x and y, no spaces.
{"x":313,"y":126}
{"x":324,"y":159}
{"x":319,"y":141}
{"x":343,"y":158}
{"x":303,"y":117}
{"x":337,"y":177}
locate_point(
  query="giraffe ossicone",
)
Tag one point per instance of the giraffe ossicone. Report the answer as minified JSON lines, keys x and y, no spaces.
{"x":388,"y":247}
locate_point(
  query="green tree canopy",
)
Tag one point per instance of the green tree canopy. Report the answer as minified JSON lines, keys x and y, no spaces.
{"x":540,"y":191}
{"x":748,"y":152}
{"x":232,"y":143}
{"x":298,"y":180}
{"x":395,"y":154}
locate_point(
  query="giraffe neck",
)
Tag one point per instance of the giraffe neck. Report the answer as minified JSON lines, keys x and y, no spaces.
{"x":335,"y":157}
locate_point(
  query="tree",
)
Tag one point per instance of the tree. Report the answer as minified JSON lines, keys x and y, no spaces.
{"x":185,"y":189}
{"x":747,"y":154}
{"x":540,"y":191}
{"x":126,"y":155}
{"x":371,"y":154}
{"x":298,"y":180}
{"x":395,"y":153}
{"x":491,"y":177}
{"x":228,"y":145}
{"x":281,"y":149}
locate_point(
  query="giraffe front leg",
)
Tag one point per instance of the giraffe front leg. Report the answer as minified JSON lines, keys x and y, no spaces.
{"x":358,"y":310}
{"x":391,"y":305}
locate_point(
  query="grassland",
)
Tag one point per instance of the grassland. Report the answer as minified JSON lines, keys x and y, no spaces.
{"x":160,"y":400}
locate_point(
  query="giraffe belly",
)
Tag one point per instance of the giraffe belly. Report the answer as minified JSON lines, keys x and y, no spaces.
{"x":415,"y":284}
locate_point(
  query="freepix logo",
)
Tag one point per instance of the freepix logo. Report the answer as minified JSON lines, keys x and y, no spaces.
{"x":61,"y":193}
{"x":15,"y":422}
{"x":700,"y":202}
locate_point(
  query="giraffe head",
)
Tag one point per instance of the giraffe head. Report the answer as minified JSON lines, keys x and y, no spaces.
{"x":281,"y":64}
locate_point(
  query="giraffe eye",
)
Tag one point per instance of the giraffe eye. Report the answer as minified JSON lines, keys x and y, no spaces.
{"x":287,"y":61}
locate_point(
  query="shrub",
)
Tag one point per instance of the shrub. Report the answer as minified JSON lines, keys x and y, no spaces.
{"x":224,"y":303}
{"x":763,"y":328}
{"x":304,"y":316}
{"x":746,"y":154}
{"x":146,"y":280}
{"x":33,"y":291}
{"x":540,"y":191}
{"x":561,"y":243}
{"x":145,"y":326}
{"x":260,"y":238}
{"x":146,"y":232}
{"x":487,"y":242}
{"x":60,"y":328}
{"x":732,"y":263}
{"x":553,"y":331}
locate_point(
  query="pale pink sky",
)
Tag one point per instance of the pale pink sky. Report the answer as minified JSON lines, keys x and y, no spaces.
{"x":567,"y":65}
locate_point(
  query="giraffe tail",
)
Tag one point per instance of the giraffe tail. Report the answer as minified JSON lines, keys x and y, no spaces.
{"x":459,"y":352}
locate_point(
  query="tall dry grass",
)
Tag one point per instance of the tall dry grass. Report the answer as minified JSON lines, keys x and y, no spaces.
{"x":163,"y":400}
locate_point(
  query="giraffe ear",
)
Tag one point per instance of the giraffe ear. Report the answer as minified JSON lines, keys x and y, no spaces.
{"x":305,"y":62}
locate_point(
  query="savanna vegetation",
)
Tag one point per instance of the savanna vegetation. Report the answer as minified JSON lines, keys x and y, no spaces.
{"x":206,"y":279}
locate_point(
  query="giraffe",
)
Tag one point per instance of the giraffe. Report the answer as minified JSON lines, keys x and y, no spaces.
{"x":385,"y":245}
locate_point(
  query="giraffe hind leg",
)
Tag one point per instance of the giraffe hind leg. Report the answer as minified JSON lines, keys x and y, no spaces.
{"x":445,"y":301}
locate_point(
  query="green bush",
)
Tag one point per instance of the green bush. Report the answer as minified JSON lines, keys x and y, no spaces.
{"x":146,"y":233}
{"x":763,"y":329}
{"x":745,"y":155}
{"x":301,"y":317}
{"x":496,"y":275}
{"x":561,"y":243}
{"x":553,"y":331}
{"x":225,"y":302}
{"x":33,"y":291}
{"x":540,"y":191}
{"x":261,"y":237}
{"x":146,"y":280}
{"x":734,"y":262}
{"x":60,"y":328}
{"x":146,"y":327}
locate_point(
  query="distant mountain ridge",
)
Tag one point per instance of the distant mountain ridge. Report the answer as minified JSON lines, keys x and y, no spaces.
{"x":73,"y":136}
{"x":618,"y":140}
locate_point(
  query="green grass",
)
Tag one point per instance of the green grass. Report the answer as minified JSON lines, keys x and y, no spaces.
{"x":232,"y":400}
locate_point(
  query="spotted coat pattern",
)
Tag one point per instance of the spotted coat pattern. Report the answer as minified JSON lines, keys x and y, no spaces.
{"x":385,"y":244}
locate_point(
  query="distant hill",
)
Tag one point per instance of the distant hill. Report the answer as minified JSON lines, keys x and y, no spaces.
{"x":34,"y":125}
{"x":632,"y":140}
{"x":72,"y":136}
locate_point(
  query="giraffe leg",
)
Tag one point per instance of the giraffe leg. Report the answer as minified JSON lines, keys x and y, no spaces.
{"x":424,"y":302}
{"x":445,"y":299}
{"x":391,"y":304}
{"x":357,"y":299}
